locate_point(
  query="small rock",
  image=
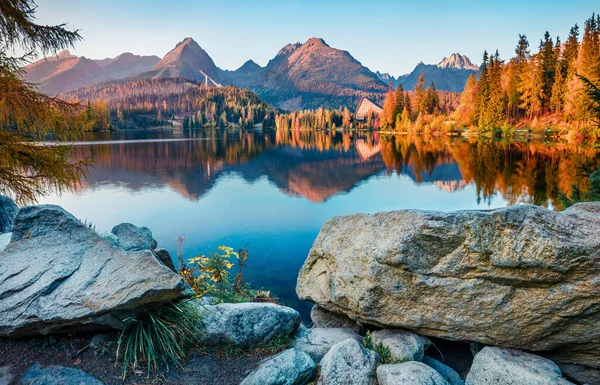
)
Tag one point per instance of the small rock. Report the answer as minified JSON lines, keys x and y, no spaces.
{"x":317,"y":341}
{"x":445,"y":371}
{"x":165,"y":258}
{"x":246,"y":324}
{"x":6,"y":375}
{"x":290,"y":367}
{"x":409,"y":373}
{"x":110,"y":238}
{"x":133,"y":238}
{"x":348,"y":363}
{"x":57,"y":375}
{"x":322,"y":318}
{"x":500,"y":366}
{"x":8,"y":211}
{"x":404,"y":345}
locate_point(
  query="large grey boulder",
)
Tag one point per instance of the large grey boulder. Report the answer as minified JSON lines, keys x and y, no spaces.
{"x":409,"y":373}
{"x":500,"y":366}
{"x":133,"y":238}
{"x":8,"y":211}
{"x":403,"y":345}
{"x":348,"y":363}
{"x":246,"y":324}
{"x":317,"y":341}
{"x":523,"y":277}
{"x":59,"y":275}
{"x":57,"y":375}
{"x":290,"y":367}
{"x":445,"y":371}
{"x":322,"y":318}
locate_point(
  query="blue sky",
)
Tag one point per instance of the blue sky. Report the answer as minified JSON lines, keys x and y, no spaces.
{"x":389,"y":36}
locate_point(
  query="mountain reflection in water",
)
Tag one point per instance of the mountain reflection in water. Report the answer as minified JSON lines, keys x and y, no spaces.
{"x":227,"y":188}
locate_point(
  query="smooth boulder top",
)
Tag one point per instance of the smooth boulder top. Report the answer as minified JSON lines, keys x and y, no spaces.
{"x":523,"y":276}
{"x":133,"y":238}
{"x":57,"y":375}
{"x":290,"y":367}
{"x":59,"y":275}
{"x":8,"y":211}
{"x":317,"y":341}
{"x":500,"y":366}
{"x":246,"y":324}
{"x":409,"y":373}
{"x":348,"y":363}
{"x":403,"y":345}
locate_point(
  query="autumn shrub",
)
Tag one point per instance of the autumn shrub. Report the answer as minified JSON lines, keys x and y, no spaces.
{"x":212,"y":276}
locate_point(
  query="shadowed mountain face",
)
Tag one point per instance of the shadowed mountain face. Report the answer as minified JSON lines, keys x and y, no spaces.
{"x":186,"y":60}
{"x":128,"y":64}
{"x":305,"y":75}
{"x":445,"y":79}
{"x":450,"y":74}
{"x":65,"y":72}
{"x":249,"y":75}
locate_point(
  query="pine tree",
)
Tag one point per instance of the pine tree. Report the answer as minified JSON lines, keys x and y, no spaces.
{"x":578,"y":104}
{"x":465,"y":113}
{"x":483,"y":92}
{"x":547,"y":62}
{"x":420,"y":101}
{"x":522,"y":50}
{"x":497,"y":108}
{"x":408,"y":103}
{"x":27,"y":170}
{"x":531,"y":87}
{"x":387,"y":118}
{"x":399,"y":98}
{"x":432,"y":99}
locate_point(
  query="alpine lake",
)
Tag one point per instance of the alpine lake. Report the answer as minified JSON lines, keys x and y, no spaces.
{"x":272,"y":191}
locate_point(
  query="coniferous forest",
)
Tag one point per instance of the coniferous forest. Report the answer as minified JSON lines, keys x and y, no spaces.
{"x":164,"y":102}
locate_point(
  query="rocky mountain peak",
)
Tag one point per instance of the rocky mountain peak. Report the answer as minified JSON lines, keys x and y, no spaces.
{"x":316,"y":41}
{"x":458,"y":61}
{"x":64,"y":54}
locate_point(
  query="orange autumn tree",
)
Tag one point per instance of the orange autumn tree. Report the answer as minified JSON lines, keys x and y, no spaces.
{"x":28,"y":170}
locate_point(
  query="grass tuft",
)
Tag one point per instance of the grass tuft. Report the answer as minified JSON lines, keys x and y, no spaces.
{"x":159,"y":336}
{"x":385,"y":356}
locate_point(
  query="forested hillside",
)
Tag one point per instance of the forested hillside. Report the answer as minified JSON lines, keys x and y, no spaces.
{"x":161,"y":102}
{"x":542,"y":88}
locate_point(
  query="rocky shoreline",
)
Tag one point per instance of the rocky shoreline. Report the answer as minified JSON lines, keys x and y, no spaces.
{"x":505,"y":296}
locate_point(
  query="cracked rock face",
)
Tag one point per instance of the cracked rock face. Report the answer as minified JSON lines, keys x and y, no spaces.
{"x":58,"y":275}
{"x":523,"y":277}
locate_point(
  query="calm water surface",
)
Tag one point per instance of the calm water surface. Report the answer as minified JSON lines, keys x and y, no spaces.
{"x":273,"y":191}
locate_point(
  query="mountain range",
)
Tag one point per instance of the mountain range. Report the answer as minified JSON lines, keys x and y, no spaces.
{"x":300,"y":76}
{"x":450,"y":74}
{"x":65,"y":72}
